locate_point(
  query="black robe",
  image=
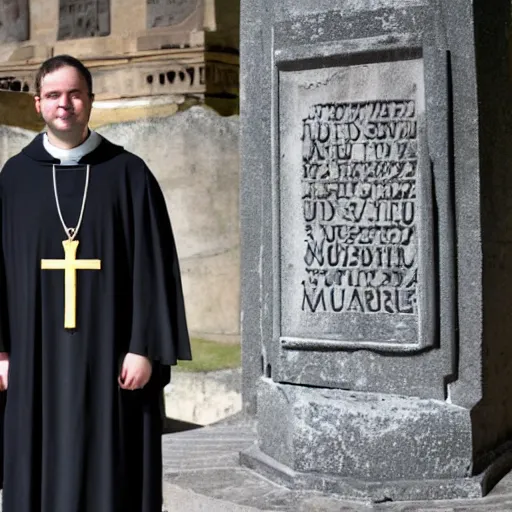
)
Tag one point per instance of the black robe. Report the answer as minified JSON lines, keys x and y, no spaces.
{"x":73,"y":440}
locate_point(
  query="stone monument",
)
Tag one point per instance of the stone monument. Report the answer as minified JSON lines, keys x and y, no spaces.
{"x":377,"y":263}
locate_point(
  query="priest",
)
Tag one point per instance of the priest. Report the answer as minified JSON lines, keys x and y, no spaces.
{"x":91,"y":313}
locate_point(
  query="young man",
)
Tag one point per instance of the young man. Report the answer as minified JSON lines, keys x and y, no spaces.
{"x":91,"y":313}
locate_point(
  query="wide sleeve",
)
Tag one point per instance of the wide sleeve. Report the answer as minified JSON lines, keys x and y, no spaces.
{"x":4,"y":312}
{"x":159,"y":326}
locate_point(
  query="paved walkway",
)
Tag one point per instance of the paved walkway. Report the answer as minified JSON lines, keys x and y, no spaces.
{"x":201,"y":474}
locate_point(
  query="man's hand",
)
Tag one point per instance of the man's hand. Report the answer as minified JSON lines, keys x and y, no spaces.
{"x":4,"y":371}
{"x":135,"y":372}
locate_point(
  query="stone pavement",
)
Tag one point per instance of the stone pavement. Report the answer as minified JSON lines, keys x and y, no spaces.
{"x":202,"y":474}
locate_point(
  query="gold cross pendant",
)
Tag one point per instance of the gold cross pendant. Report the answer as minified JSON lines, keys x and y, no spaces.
{"x":70,"y":265}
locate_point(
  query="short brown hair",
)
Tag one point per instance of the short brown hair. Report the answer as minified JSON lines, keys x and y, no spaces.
{"x":60,"y":61}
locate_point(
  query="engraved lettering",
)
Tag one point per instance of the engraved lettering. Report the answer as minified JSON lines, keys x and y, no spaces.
{"x":359,"y":172}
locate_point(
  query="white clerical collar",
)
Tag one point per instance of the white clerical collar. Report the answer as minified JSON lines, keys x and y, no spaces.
{"x":73,"y":156}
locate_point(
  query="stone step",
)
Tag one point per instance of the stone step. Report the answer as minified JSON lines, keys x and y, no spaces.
{"x":203,"y":398}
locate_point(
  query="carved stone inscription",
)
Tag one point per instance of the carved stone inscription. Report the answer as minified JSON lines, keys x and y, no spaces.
{"x":355,"y":246}
{"x":14,"y":20}
{"x":164,"y":13}
{"x":84,"y":18}
{"x":359,"y":170}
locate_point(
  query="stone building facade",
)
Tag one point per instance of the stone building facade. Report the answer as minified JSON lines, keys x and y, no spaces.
{"x":135,"y":48}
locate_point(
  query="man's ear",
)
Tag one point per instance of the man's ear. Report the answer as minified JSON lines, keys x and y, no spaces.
{"x":37,"y":103}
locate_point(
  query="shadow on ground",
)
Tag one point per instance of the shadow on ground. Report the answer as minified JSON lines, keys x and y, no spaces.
{"x":172,"y":426}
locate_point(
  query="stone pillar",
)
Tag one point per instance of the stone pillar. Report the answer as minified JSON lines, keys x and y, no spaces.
{"x":377,"y":263}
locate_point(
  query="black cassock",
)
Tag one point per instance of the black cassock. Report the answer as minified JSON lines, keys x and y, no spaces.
{"x":73,"y":440}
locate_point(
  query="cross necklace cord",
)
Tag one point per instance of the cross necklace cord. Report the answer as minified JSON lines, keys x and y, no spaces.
{"x":70,"y":264}
{"x":71,"y":232}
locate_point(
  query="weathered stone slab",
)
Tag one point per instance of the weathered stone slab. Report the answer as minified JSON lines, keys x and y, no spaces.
{"x":352,"y":220}
{"x":362,"y":445}
{"x":368,"y":446}
{"x":362,"y":167}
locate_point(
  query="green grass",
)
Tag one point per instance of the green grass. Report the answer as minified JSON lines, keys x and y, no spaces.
{"x":209,"y":356}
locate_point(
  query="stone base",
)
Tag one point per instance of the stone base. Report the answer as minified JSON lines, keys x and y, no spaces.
{"x":368,"y":446}
{"x":202,"y":472}
{"x":377,"y":492}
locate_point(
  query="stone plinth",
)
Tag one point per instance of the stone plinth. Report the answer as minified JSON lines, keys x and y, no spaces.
{"x":365,"y":445}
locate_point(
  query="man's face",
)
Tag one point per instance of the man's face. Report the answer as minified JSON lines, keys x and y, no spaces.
{"x":65,"y":103}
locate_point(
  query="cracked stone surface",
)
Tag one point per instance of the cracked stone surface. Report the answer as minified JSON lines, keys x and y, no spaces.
{"x":201,"y":472}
